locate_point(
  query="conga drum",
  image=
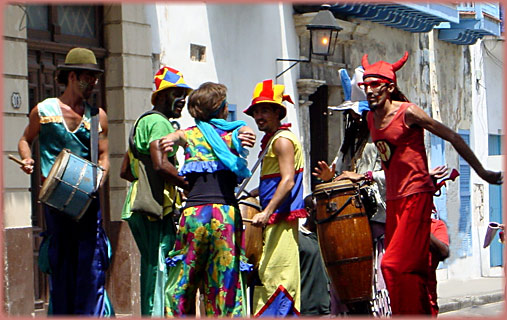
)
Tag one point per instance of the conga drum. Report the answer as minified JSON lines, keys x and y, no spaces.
{"x":345,"y":239}
{"x":249,"y":207}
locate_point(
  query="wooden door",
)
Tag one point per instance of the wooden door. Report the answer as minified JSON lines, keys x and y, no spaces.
{"x":52,"y":32}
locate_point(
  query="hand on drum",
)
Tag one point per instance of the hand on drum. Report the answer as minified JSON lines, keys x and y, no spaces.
{"x":27,"y":166}
{"x":260,"y":219}
{"x":165,"y":145}
{"x":247,"y":139}
{"x":323,"y":171}
{"x":352,"y":176}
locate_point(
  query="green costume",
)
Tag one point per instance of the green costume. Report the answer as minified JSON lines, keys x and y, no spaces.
{"x":154,"y":238}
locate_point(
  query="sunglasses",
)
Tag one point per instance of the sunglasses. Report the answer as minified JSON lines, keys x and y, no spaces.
{"x":374,"y":84}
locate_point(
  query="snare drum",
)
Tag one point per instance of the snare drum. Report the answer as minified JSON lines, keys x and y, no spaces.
{"x":345,"y":239}
{"x":69,"y":186}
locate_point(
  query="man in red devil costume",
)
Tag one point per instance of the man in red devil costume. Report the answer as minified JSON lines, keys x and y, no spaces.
{"x":397,"y":129}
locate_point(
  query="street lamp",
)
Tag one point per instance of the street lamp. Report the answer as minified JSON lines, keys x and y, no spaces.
{"x":323,"y":34}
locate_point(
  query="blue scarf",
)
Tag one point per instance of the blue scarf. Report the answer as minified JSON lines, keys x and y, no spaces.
{"x":236,"y":164}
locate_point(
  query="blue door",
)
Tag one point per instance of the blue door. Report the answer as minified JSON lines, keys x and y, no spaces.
{"x":495,"y":215}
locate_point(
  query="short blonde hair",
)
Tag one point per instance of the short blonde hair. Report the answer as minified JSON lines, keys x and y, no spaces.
{"x":206,"y":99}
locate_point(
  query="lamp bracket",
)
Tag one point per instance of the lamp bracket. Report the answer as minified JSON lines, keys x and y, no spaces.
{"x":296,"y":61}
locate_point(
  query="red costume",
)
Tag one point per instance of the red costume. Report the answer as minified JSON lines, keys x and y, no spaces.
{"x":409,"y":203}
{"x":439,"y":230}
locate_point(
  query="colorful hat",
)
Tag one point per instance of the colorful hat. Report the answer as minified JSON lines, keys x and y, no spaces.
{"x":354,"y":97}
{"x":382,"y":69}
{"x":80,"y":59}
{"x":167,"y":78}
{"x":266,"y":92}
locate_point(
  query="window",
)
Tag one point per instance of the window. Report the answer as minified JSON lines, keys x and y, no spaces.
{"x":494,"y":145}
{"x":232,"y":112}
{"x":65,"y":24}
{"x":197,"y":53}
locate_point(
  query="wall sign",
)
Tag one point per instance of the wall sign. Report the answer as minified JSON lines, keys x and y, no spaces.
{"x":16,"y":100}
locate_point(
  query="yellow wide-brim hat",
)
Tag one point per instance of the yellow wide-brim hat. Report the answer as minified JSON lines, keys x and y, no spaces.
{"x":80,"y":59}
{"x":167,"y":78}
{"x":266,"y":92}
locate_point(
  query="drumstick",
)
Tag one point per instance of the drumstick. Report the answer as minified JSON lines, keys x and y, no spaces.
{"x":247,"y":220}
{"x":13,"y":158}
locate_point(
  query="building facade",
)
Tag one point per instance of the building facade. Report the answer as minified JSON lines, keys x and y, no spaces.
{"x":454,"y":72}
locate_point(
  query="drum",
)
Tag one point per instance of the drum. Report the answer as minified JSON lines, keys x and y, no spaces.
{"x":249,"y":207}
{"x":69,"y":186}
{"x":345,"y":239}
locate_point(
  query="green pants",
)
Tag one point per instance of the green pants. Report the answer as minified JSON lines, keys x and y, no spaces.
{"x":154,"y":240}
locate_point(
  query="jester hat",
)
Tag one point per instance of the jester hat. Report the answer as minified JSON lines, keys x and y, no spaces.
{"x":167,"y":78}
{"x":382,"y":69}
{"x":266,"y":92}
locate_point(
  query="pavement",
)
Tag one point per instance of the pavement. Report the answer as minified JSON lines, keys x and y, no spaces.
{"x":458,"y":294}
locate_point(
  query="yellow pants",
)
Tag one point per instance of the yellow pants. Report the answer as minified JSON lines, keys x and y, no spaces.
{"x":279,"y":264}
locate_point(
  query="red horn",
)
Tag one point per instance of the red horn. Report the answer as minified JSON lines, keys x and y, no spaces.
{"x":364,"y":61}
{"x":401,"y":62}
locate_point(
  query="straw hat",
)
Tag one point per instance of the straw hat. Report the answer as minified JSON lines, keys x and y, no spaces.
{"x":80,"y":59}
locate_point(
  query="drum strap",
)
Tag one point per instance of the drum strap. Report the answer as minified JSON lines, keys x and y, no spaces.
{"x":337,"y":212}
{"x":94,"y":143}
{"x":255,"y":166}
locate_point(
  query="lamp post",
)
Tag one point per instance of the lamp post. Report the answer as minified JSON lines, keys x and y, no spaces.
{"x":323,"y":34}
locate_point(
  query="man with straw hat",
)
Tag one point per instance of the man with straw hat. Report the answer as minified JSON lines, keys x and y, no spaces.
{"x":154,"y":235}
{"x":281,"y":197}
{"x":75,"y":254}
{"x":397,"y":129}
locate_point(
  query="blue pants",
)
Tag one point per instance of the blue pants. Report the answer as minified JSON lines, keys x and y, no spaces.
{"x":76,"y":256}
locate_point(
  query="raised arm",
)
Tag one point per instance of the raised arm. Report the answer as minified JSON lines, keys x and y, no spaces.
{"x":417,"y":116}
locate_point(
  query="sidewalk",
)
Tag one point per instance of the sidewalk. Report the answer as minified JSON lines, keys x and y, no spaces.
{"x":458,"y":294}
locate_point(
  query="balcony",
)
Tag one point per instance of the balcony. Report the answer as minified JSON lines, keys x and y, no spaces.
{"x":460,"y":24}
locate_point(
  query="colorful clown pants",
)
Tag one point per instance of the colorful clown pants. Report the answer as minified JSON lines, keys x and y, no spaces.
{"x":405,"y":262}
{"x":206,"y":256}
{"x":279,"y":266}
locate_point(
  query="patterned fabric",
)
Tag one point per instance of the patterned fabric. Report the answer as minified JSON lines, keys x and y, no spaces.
{"x":279,"y":265}
{"x":166,"y":78}
{"x":206,"y":255}
{"x":234,"y":163}
{"x":293,"y":206}
{"x":55,"y":135}
{"x":199,"y":157}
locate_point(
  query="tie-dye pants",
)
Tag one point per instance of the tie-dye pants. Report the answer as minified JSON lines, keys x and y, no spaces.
{"x":206,"y":256}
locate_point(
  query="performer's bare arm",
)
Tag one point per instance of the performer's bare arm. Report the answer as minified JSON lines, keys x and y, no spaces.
{"x":175,"y":138}
{"x":103,"y":153}
{"x":25,"y":142}
{"x":439,"y":247}
{"x":284,"y":150}
{"x":125,"y":171}
{"x":165,"y":168}
{"x":417,"y":116}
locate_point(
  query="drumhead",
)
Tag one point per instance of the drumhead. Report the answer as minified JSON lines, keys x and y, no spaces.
{"x":345,"y":184}
{"x":56,"y":172}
